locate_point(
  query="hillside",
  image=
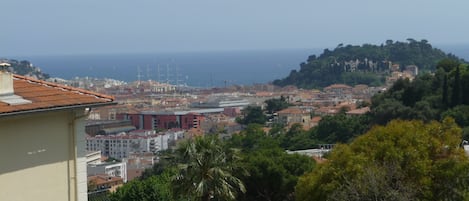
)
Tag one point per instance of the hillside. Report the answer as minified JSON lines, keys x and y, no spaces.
{"x":25,"y":68}
{"x":365,"y":64}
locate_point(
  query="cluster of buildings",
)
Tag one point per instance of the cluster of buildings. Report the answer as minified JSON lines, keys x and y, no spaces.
{"x":409,"y":72}
{"x":81,"y":140}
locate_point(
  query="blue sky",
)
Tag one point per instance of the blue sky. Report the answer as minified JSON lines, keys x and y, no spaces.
{"x":50,"y":27}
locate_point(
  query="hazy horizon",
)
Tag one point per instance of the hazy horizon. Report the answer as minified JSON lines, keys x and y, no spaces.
{"x":53,"y":27}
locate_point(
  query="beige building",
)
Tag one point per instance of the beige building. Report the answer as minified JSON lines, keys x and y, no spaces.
{"x":290,"y":116}
{"x":42,"y":139}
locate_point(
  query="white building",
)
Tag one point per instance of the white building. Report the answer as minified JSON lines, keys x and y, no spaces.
{"x":115,"y":169}
{"x":93,"y":157}
{"x":122,"y":145}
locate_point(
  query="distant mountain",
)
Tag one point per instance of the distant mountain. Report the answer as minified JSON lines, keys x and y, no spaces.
{"x":366,"y":64}
{"x":25,"y":68}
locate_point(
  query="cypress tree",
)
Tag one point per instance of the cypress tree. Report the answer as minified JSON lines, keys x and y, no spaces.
{"x":456,"y":92}
{"x":445,"y":91}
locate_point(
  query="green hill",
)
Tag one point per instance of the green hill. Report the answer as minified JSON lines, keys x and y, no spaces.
{"x":25,"y":68}
{"x":365,"y":64}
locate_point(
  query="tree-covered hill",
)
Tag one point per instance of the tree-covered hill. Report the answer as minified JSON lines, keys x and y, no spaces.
{"x":365,"y":64}
{"x":25,"y":68}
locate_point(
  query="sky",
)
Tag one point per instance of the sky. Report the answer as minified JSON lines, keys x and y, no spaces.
{"x":58,"y":27}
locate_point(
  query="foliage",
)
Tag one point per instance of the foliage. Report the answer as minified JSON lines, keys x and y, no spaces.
{"x":340,"y":128}
{"x":276,"y":104}
{"x":404,"y":160}
{"x":364,"y":64}
{"x":253,"y":115}
{"x":296,"y":138}
{"x":252,"y":138}
{"x":206,"y":171}
{"x":272,"y":173}
{"x":428,"y":97}
{"x":25,"y":68}
{"x":166,"y":159}
{"x":154,"y":188}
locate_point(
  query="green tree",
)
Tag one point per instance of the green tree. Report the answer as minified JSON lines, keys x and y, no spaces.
{"x":459,"y":113}
{"x":252,"y":138}
{"x":273,"y":174}
{"x":447,"y":64}
{"x":456,"y":93}
{"x":296,"y":138}
{"x":276,"y":104}
{"x":206,"y":171}
{"x":153,"y":188}
{"x":253,"y":115}
{"x":404,"y":160}
{"x":166,"y":160}
{"x":340,"y":128}
{"x":424,"y":98}
{"x":445,"y":91}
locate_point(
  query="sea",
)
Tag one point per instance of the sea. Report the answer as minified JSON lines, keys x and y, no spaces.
{"x":196,"y":69}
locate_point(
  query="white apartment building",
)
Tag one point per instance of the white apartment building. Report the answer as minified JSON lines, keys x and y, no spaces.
{"x":122,"y":145}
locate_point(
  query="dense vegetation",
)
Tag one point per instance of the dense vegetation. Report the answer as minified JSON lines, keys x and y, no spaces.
{"x":366,"y":64}
{"x":428,"y":97}
{"x":404,"y":160}
{"x":251,"y":166}
{"x":25,"y":68}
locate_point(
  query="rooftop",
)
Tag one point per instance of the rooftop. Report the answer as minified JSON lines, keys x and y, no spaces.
{"x":292,"y":110}
{"x":44,"y":96}
{"x":104,"y":179}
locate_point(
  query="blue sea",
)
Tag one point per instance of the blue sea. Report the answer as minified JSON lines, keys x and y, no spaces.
{"x":200,"y":69}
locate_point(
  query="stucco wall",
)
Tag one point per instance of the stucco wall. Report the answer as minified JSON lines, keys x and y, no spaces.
{"x":37,"y":154}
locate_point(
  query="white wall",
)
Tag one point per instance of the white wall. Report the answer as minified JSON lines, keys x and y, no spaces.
{"x":37,"y":153}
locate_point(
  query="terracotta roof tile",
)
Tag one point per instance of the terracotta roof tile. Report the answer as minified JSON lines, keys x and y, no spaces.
{"x":47,"y":95}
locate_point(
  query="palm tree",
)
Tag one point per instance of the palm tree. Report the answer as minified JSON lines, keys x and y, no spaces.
{"x":205,"y":171}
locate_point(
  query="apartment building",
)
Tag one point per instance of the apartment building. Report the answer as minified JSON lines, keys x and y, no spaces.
{"x":150,"y":120}
{"x":122,"y":145}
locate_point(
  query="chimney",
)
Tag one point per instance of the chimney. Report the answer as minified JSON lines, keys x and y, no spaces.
{"x":6,"y":80}
{"x":7,"y":93}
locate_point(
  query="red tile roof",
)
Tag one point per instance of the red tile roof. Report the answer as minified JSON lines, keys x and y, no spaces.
{"x":50,"y":96}
{"x":104,"y":179}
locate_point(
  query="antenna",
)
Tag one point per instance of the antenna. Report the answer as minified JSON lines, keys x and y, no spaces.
{"x":139,"y":76}
{"x":178,"y":77}
{"x":148,"y":73}
{"x":167,"y":74}
{"x":158,"y":73}
{"x":211,"y":80}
